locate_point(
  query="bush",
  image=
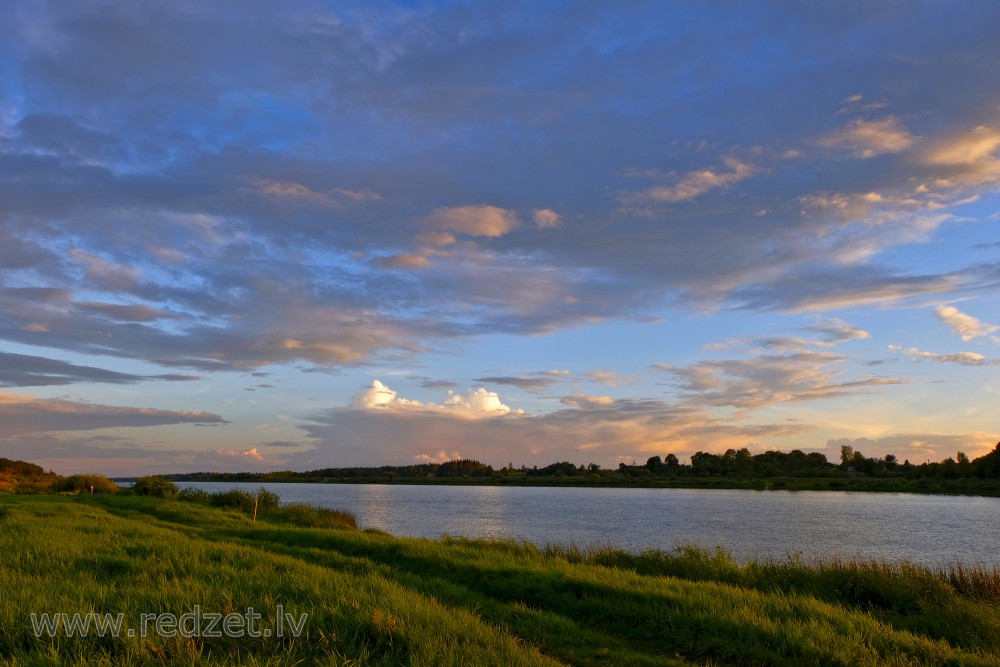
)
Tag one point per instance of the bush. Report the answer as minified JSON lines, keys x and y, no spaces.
{"x":155,"y":486}
{"x":85,"y":484}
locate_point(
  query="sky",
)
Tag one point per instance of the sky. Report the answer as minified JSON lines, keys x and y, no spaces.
{"x":247,"y":235}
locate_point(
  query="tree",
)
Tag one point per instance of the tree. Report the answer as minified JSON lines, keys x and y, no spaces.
{"x":846,"y":455}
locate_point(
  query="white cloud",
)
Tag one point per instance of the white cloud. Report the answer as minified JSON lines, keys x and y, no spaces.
{"x":473,"y":403}
{"x":966,"y":326}
{"x":377,"y":395}
{"x":476,"y":402}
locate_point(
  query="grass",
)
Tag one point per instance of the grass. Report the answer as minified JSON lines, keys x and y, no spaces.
{"x":372,"y":598}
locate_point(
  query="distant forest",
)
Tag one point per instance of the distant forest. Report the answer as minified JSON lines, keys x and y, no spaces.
{"x":734,"y":463}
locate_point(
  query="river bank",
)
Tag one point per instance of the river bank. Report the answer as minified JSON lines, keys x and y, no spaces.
{"x":371,"y":598}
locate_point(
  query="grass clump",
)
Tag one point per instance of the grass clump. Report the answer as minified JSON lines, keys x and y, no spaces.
{"x":301,"y":514}
{"x":269,"y":508}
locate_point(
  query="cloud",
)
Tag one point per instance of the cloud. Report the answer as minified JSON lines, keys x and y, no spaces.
{"x":251,"y":454}
{"x":298,"y":193}
{"x":227,"y":190}
{"x":429,"y":383}
{"x":609,"y":377}
{"x":832,"y":331}
{"x":870,"y":138}
{"x":769,"y":379}
{"x":441,"y":457}
{"x":976,"y":149}
{"x":966,"y":326}
{"x":693,"y":184}
{"x":225,"y":187}
{"x":486,"y":221}
{"x":597,"y":429}
{"x":406,"y":260}
{"x":22,"y":414}
{"x":545,"y":218}
{"x":837,"y":331}
{"x":21,"y":370}
{"x":961,"y":358}
{"x":475,"y":403}
{"x":378,"y":396}
{"x":521,"y":382}
{"x":126,"y":313}
{"x":583,"y":401}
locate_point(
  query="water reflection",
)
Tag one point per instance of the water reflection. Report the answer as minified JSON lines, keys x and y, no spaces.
{"x":773,"y":524}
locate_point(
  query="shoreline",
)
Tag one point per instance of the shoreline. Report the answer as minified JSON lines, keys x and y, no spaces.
{"x":989,"y":488}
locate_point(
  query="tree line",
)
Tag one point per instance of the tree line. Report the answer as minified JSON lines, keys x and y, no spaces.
{"x":735,"y":463}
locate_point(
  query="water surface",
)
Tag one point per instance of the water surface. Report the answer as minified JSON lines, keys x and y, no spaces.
{"x":923,"y":528}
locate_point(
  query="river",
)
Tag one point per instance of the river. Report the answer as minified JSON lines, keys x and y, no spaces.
{"x":926,"y":529}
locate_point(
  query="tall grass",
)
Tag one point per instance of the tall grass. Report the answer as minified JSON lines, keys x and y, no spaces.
{"x":268,"y":507}
{"x":376,"y":599}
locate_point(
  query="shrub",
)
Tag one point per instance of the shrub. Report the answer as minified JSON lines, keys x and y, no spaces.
{"x":85,"y":484}
{"x":155,"y":486}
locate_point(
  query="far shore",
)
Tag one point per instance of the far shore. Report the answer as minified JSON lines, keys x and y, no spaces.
{"x":962,"y":486}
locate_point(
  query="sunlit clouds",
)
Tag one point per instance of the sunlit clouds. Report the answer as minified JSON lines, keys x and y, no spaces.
{"x":276,"y":235}
{"x":867,"y":139}
{"x":472,"y":403}
{"x":965,"y":326}
{"x":251,"y":454}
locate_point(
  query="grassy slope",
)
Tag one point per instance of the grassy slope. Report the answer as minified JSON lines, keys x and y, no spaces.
{"x":376,"y":599}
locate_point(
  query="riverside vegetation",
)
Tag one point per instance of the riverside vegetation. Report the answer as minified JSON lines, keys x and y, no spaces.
{"x":733,"y":469}
{"x":374,"y":599}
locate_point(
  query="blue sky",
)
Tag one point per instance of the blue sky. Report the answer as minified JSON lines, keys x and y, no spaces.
{"x":254,"y":236}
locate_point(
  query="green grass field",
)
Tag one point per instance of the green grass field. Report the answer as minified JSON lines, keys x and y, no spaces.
{"x":371,"y":598}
